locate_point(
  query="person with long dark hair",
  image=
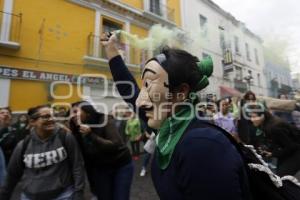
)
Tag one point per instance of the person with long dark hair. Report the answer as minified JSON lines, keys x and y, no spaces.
{"x":245,"y":128}
{"x":48,"y":162}
{"x":281,"y":140}
{"x":107,"y":159}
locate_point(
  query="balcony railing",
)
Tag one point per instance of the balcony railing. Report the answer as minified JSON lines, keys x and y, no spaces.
{"x":10,"y":27}
{"x":240,"y":85}
{"x":161,"y":10}
{"x":132,"y":56}
{"x":94,"y":49}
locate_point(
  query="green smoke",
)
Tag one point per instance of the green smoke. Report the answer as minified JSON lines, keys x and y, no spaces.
{"x":160,"y":36}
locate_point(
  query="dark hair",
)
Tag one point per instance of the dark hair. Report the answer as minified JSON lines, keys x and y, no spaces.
{"x":32,"y":112}
{"x":181,"y":67}
{"x":6,"y":108}
{"x":228,"y":99}
{"x":93,"y":115}
{"x":279,"y":95}
{"x":19,"y":117}
{"x":248,"y":94}
{"x":262,"y":110}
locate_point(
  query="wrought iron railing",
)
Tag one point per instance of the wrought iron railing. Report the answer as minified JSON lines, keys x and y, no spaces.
{"x":10,"y":26}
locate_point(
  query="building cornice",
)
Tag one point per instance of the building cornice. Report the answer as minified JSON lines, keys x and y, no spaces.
{"x":116,"y":8}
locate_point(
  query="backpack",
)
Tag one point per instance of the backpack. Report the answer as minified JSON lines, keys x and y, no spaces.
{"x":263,"y":183}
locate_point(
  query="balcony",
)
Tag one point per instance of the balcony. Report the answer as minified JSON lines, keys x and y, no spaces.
{"x":95,"y":55}
{"x":159,"y":12}
{"x":10,"y":30}
{"x":240,"y":85}
{"x":285,"y":89}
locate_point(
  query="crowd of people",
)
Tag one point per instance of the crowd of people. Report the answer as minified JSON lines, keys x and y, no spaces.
{"x":51,"y":152}
{"x":275,"y":134}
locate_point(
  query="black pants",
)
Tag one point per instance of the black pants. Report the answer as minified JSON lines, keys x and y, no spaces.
{"x":111,"y":183}
{"x":135,"y":148}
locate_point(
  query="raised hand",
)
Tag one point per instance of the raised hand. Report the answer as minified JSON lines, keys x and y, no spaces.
{"x":110,"y":42}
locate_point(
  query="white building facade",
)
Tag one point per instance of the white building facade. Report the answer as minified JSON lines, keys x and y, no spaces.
{"x":237,"y":53}
{"x":296,"y":81}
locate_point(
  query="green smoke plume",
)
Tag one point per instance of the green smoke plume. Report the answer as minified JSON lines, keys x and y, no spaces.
{"x":160,"y":36}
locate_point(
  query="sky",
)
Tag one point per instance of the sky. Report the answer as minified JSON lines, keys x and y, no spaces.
{"x":275,"y":19}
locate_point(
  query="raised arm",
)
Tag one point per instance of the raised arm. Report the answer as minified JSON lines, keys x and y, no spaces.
{"x":130,"y":90}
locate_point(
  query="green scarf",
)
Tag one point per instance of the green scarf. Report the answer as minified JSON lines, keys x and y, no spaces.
{"x":258,"y":132}
{"x":170,"y":133}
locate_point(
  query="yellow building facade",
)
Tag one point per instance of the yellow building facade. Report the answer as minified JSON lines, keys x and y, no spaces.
{"x":47,"y":46}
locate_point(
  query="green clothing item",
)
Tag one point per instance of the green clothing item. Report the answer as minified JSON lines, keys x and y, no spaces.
{"x":235,"y":111}
{"x":133,"y":129}
{"x":171,"y":131}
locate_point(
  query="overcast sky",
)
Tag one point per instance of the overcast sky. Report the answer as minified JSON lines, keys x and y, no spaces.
{"x":270,"y":18}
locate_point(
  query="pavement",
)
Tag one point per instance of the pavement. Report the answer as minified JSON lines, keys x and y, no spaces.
{"x":142,"y":187}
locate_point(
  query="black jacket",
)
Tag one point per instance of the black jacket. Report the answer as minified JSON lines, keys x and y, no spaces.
{"x":8,"y":141}
{"x":283,"y":138}
{"x":103,"y":147}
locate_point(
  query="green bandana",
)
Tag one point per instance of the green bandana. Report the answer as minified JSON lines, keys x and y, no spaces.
{"x":258,"y":132}
{"x":171,"y":131}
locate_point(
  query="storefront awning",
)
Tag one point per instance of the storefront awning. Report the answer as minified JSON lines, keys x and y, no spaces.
{"x":227,"y":91}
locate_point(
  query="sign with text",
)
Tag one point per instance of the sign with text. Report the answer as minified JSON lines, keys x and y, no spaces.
{"x":14,"y":73}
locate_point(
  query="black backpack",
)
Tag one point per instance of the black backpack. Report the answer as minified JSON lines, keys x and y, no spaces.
{"x":263,"y":183}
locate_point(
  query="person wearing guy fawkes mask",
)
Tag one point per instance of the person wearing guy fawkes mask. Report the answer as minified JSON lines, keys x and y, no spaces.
{"x":190,"y":162}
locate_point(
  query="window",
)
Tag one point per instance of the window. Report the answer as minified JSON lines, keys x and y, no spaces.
{"x":256,"y":56}
{"x":10,"y":25}
{"x":247,"y":52}
{"x":238,"y":73}
{"x":203,"y":25}
{"x":205,"y":55}
{"x":109,"y":26}
{"x":203,"y":21}
{"x":236,"y":45}
{"x":155,"y":7}
{"x":258,"y":79}
{"x":222,"y":38}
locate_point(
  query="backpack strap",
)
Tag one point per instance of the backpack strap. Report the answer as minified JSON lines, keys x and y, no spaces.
{"x":62,"y":134}
{"x":26,"y":141}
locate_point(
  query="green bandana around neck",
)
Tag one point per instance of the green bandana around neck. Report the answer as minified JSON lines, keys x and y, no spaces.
{"x":171,"y":131}
{"x":258,"y":132}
